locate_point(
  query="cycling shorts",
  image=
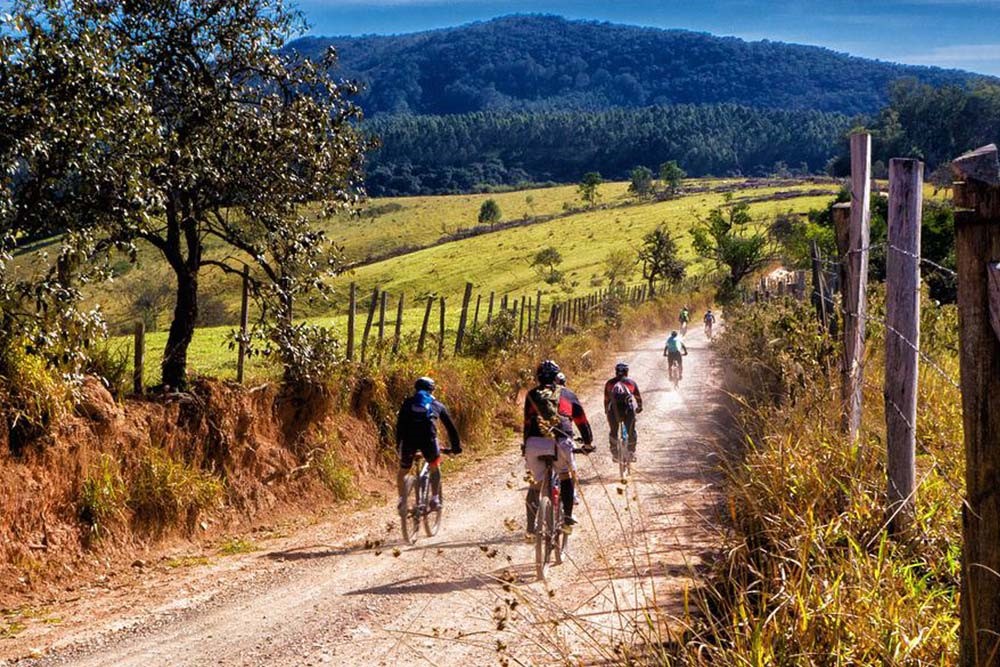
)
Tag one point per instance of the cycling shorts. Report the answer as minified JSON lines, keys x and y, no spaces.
{"x":407,"y":452}
{"x":536,"y":446}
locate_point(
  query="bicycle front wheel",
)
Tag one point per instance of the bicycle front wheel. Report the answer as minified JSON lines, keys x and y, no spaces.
{"x":543,"y":536}
{"x":409,"y":514}
{"x":432,"y":518}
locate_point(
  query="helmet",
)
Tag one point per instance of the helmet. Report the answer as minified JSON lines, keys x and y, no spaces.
{"x":673,"y":333}
{"x":547,"y":372}
{"x":621,"y":368}
{"x":561,"y":378}
{"x":424,"y":384}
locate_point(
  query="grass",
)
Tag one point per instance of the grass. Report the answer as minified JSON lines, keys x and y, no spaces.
{"x":809,"y":575}
{"x":187,"y":561}
{"x":497,"y":262}
{"x":237,"y":545}
{"x":337,"y":476}
{"x":165,"y":489}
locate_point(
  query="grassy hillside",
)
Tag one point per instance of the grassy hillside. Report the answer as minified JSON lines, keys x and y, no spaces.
{"x":497,"y":262}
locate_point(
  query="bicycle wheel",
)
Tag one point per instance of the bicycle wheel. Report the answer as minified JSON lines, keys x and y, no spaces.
{"x":432,"y":518}
{"x":559,"y":536}
{"x":543,"y":535}
{"x":623,"y":452}
{"x":409,"y":514}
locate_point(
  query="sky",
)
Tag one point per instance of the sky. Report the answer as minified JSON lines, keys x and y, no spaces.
{"x":962,"y":34}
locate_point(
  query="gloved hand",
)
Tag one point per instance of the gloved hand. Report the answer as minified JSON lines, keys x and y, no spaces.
{"x":638,"y":410}
{"x":456,"y":450}
{"x":523,"y":445}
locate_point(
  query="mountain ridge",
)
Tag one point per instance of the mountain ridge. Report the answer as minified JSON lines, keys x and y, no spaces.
{"x":544,"y":62}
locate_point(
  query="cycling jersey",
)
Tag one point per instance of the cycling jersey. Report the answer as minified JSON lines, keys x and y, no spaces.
{"x":629,"y":383}
{"x":685,"y":315}
{"x":675,"y":345}
{"x":709,"y":318}
{"x":416,"y":429}
{"x":570,"y":412}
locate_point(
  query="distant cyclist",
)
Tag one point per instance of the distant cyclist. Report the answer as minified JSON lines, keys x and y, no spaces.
{"x":684,"y":317}
{"x":550,"y":410}
{"x":675,"y":351}
{"x":622,"y":402}
{"x":709,"y":322}
{"x":416,"y":430}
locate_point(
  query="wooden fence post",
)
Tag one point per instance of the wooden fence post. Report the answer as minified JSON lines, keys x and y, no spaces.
{"x":520,"y":328}
{"x":441,"y":332}
{"x":351,"y":308}
{"x":819,"y":289}
{"x":475,"y":317}
{"x":530,"y":321}
{"x":423,"y":327}
{"x":139,"y":360}
{"x":977,"y":247}
{"x":381,"y":317}
{"x":902,"y":339}
{"x":489,"y":312}
{"x":368,"y":323}
{"x":538,"y":310}
{"x":244,"y":325}
{"x":463,"y":317}
{"x":399,"y":327}
{"x":856,"y":284}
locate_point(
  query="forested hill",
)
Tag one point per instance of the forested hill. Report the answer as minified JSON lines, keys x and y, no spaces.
{"x":548,"y":63}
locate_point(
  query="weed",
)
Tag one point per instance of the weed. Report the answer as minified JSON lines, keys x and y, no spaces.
{"x":165,"y":489}
{"x":237,"y":545}
{"x":103,"y":496}
{"x":335,"y":475}
{"x":187,"y":561}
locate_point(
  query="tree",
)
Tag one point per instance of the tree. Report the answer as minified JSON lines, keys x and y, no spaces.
{"x":671,"y":176}
{"x":729,"y":238}
{"x":588,"y":188}
{"x":619,"y":264}
{"x":215,"y":135}
{"x":489,"y":213}
{"x":546,"y":262}
{"x":658,"y":255}
{"x":642,"y":182}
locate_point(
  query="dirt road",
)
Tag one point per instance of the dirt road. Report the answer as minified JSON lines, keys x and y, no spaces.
{"x":331,"y":593}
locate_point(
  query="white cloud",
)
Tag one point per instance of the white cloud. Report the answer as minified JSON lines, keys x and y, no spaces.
{"x":957,"y":54}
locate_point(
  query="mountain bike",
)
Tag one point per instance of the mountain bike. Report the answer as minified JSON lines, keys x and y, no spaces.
{"x":551,"y":536}
{"x":674,"y":370}
{"x":708,"y":330}
{"x":417,"y":508}
{"x":624,"y":453}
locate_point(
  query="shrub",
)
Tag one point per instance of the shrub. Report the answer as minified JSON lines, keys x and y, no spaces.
{"x":165,"y":489}
{"x":103,"y":496}
{"x":32,"y":396}
{"x":336,"y":475}
{"x":500,"y":333}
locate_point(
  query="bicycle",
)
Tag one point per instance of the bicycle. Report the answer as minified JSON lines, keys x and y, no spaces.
{"x":684,"y":328}
{"x":624,"y":453}
{"x":417,"y":488}
{"x":551,"y":537}
{"x":708,"y":330}
{"x":675,"y":370}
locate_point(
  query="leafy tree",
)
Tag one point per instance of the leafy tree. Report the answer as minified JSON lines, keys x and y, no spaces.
{"x":641,"y":184}
{"x":658,"y":255}
{"x":671,"y":176}
{"x":206,"y":132}
{"x":588,"y":188}
{"x":546,"y":262}
{"x":489,"y":213}
{"x":619,"y":265}
{"x":730,"y":238}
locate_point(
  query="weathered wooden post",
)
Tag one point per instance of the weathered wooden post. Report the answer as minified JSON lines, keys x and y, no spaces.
{"x":399,"y":327}
{"x":538,"y":310}
{"x":856,"y":283}
{"x":381,"y":318}
{"x":463,"y":317}
{"x":819,"y":289}
{"x":977,"y":247}
{"x":520,"y":326}
{"x":800,"y":285}
{"x":902,"y":339}
{"x":139,"y":359}
{"x":441,"y":332}
{"x":530,"y":321}
{"x":352,"y":306}
{"x":489,"y":312}
{"x":368,"y":323}
{"x":244,"y":325}
{"x":423,"y":327}
{"x":475,"y":317}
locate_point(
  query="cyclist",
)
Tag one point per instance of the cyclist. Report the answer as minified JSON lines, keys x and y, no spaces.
{"x":622,"y":402}
{"x":416,"y":430}
{"x":675,"y":351}
{"x":709,"y":322}
{"x":684,"y":317}
{"x":550,"y":410}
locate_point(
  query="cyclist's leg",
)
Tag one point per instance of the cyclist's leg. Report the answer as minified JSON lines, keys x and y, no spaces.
{"x":534,"y":448}
{"x":406,"y":455}
{"x":432,"y":453}
{"x":613,"y":434}
{"x":566,"y":468}
{"x":632,"y":437}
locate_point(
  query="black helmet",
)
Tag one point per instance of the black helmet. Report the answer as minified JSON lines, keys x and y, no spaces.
{"x":621,"y":368}
{"x":424,"y":384}
{"x":561,"y":378}
{"x":673,"y":333}
{"x":547,"y":372}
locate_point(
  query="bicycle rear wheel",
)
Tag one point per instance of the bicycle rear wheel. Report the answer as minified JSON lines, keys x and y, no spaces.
{"x":559,"y":535}
{"x":409,"y":514}
{"x":543,"y":536}
{"x":623,"y":452}
{"x":432,"y":518}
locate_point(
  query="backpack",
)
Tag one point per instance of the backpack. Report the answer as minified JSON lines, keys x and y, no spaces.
{"x":422,"y":418}
{"x":674,"y":344}
{"x":546,"y":402}
{"x":622,"y":397}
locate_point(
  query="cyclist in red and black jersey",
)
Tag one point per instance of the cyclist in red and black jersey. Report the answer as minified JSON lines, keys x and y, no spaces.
{"x":550,"y":412}
{"x":622,"y":402}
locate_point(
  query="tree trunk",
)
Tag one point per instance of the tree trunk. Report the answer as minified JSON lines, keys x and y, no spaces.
{"x":181,"y":330}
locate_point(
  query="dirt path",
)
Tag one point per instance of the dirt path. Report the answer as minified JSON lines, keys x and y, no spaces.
{"x":331,"y":594}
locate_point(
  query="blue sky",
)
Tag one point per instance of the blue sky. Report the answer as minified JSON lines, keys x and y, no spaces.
{"x":949,"y":33}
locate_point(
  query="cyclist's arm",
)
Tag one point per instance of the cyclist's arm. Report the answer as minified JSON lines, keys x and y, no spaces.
{"x":684,"y":347}
{"x":449,"y":426}
{"x":528,"y":416}
{"x":580,"y":419}
{"x":607,"y":396}
{"x":400,"y":425}
{"x":638,"y":396}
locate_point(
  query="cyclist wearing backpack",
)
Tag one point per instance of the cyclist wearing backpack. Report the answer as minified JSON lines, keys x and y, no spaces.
{"x":416,"y":430}
{"x":550,"y":411}
{"x":709,"y":322}
{"x":622,"y":402}
{"x":684,"y":317}
{"x":675,"y":351}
